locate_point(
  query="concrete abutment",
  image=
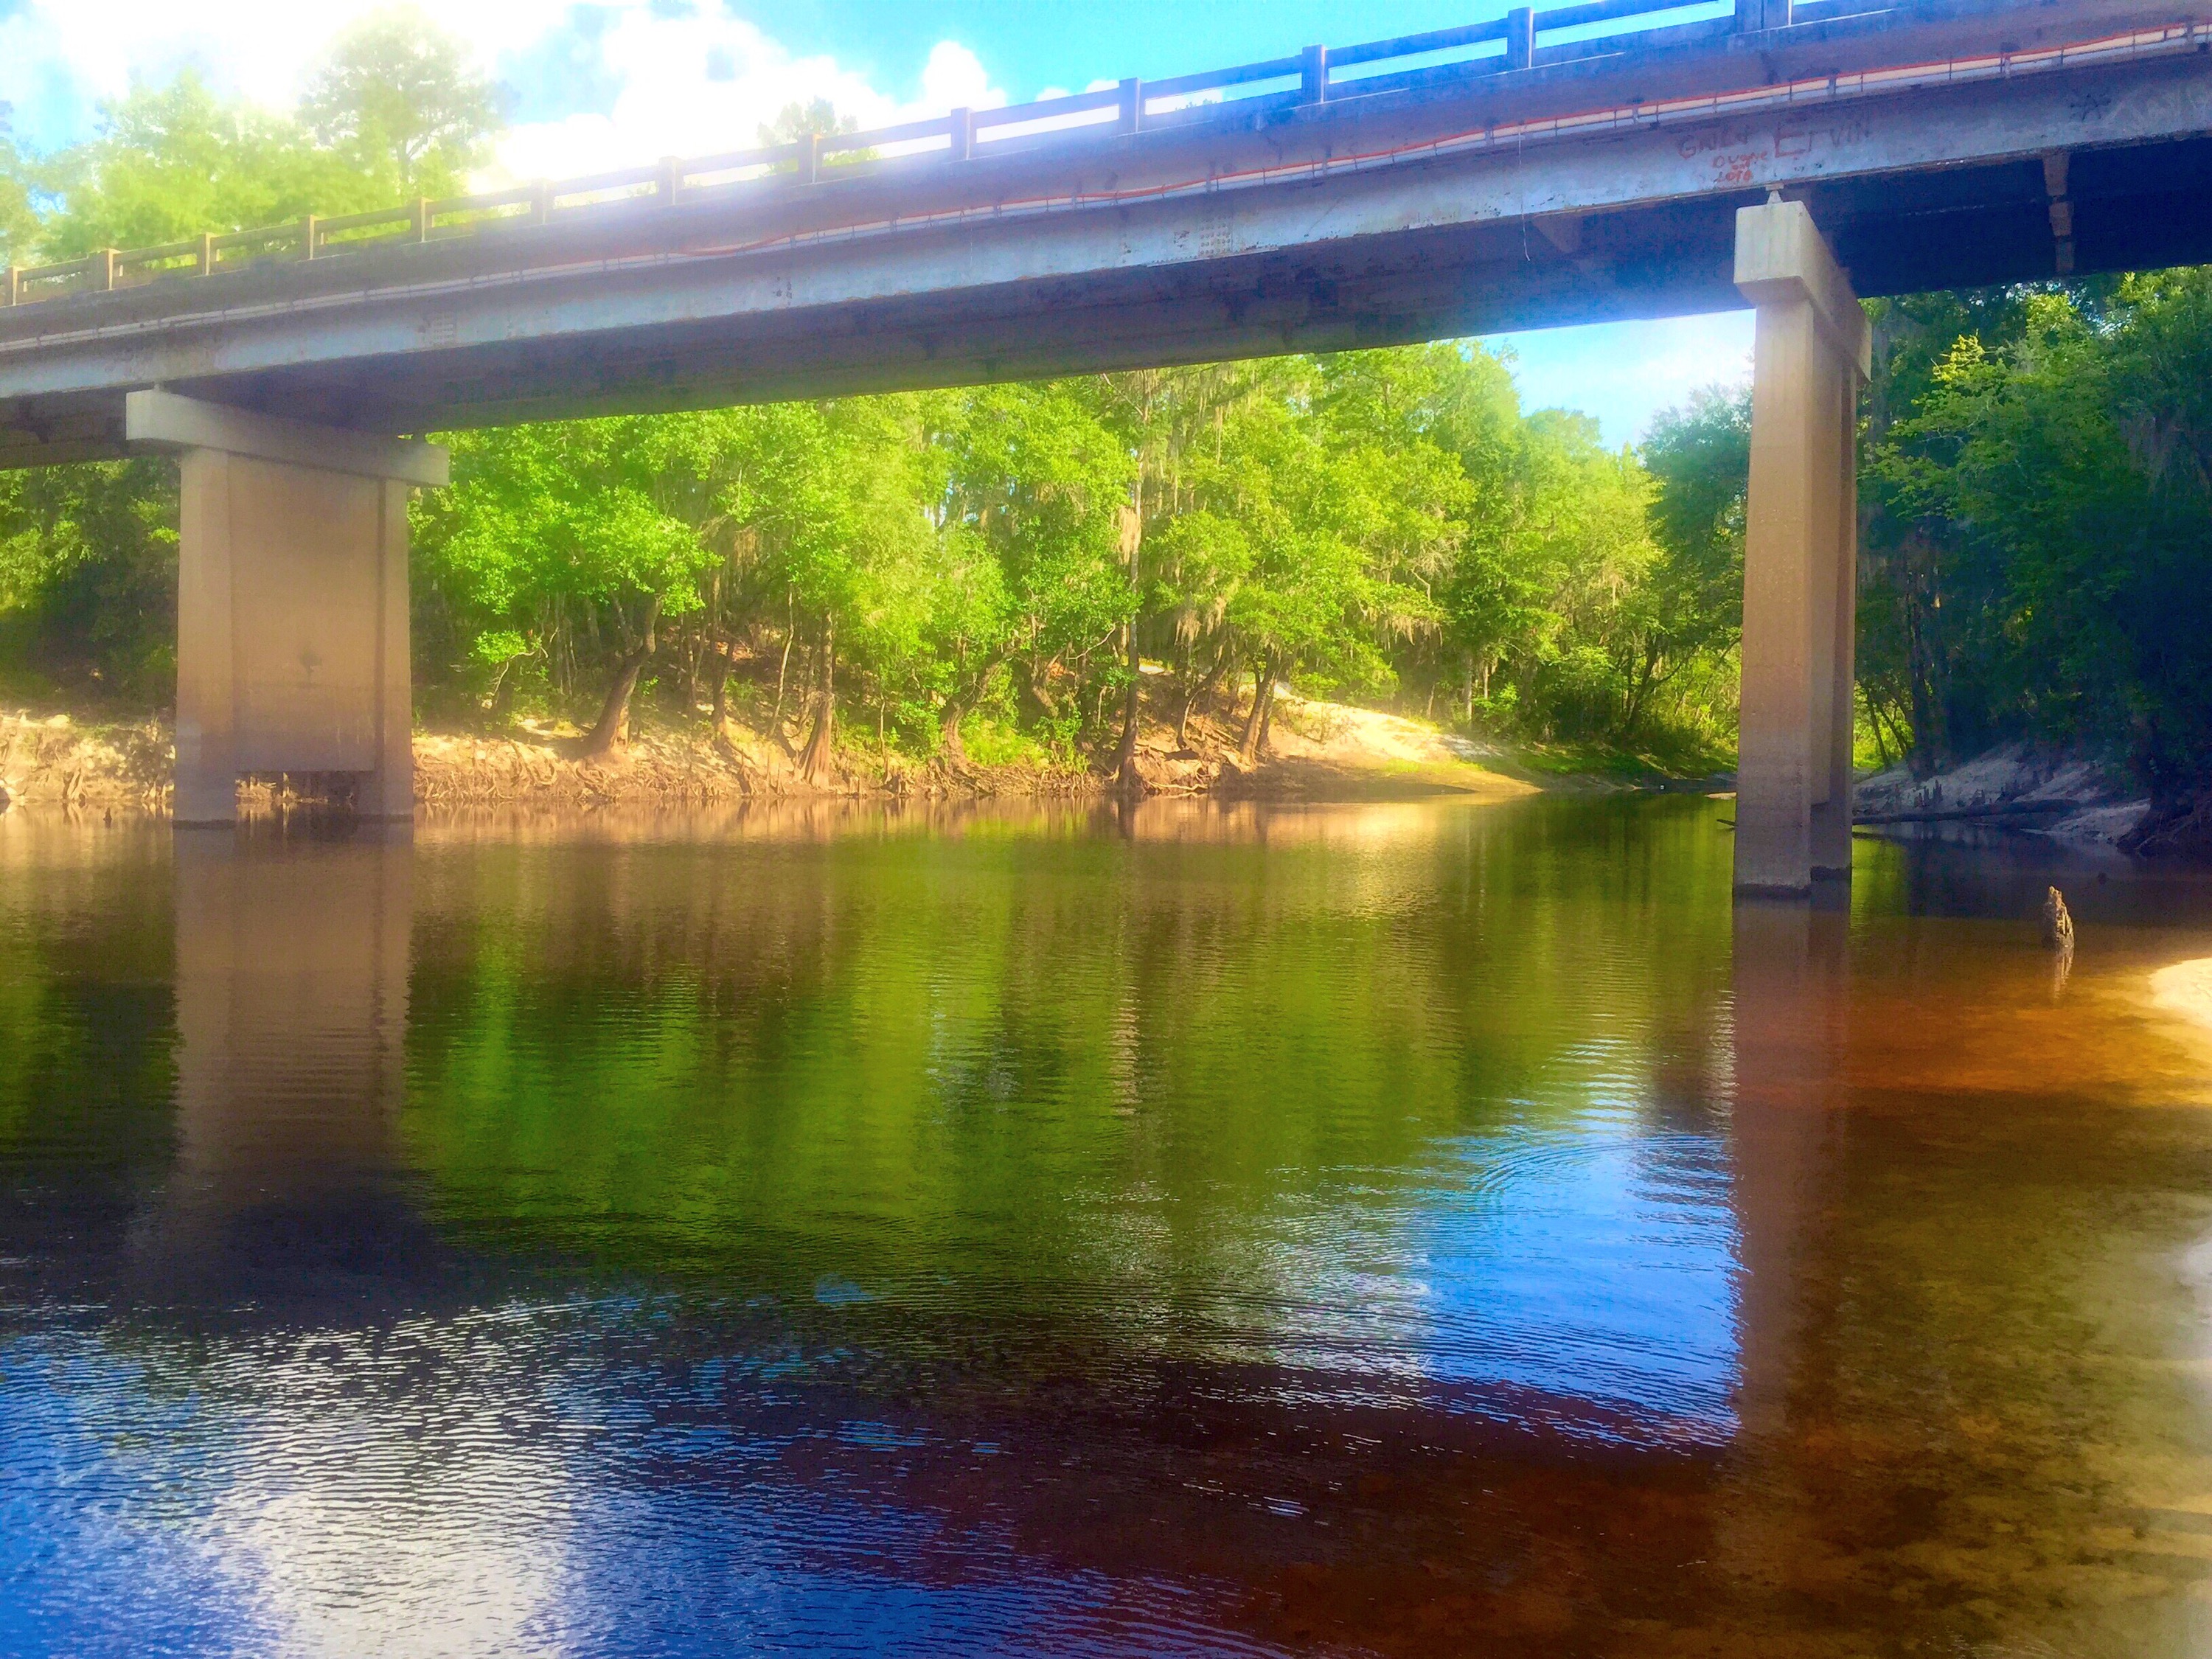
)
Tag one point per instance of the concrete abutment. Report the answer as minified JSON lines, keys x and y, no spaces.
{"x":292,"y":606}
{"x":1813,"y":354}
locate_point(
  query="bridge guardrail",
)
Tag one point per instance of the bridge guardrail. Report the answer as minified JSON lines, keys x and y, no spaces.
{"x":1316,"y":75}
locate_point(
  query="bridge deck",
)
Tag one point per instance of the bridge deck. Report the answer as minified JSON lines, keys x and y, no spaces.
{"x":1938,"y":143}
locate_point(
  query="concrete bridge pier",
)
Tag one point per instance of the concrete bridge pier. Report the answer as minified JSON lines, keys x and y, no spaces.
{"x":291,"y":629}
{"x":1801,"y":554}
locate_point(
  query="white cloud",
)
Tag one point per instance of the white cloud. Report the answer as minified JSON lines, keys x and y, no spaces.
{"x":954,"y":78}
{"x":686,"y":85}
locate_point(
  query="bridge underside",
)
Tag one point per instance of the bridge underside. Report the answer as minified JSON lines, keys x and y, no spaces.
{"x":2141,"y":208}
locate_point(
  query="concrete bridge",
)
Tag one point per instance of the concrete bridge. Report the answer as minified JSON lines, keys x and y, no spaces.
{"x":1612,"y":159}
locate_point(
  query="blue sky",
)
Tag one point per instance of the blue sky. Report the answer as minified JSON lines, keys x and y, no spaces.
{"x":607,"y":84}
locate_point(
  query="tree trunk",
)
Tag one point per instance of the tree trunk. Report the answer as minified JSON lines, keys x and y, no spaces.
{"x":1033,"y":680}
{"x":1198,"y":694}
{"x":1639,"y":694}
{"x":611,"y":730}
{"x":721,"y":685}
{"x":948,"y":732}
{"x":1248,"y":733}
{"x":1132,"y":541}
{"x":1920,"y":675}
{"x":821,"y":742}
{"x":1125,"y":778}
{"x":1263,"y":709}
{"x":782,"y":668}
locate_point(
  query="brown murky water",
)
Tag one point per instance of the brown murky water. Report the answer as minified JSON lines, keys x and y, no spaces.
{"x":1401,"y":1230}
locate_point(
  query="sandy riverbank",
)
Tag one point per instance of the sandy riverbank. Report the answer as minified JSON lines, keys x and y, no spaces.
{"x":1317,"y":751}
{"x":2068,"y":797}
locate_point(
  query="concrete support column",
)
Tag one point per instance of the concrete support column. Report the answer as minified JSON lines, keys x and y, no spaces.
{"x":292,"y":616}
{"x":1800,"y":556}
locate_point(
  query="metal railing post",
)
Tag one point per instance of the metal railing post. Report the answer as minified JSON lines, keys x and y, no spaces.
{"x":541,"y":203}
{"x":103,"y":269}
{"x":963,"y":147}
{"x":206,"y":253}
{"x":420,"y":218}
{"x":1521,"y":38}
{"x":810,"y":158}
{"x":1133,"y":106}
{"x":671,"y":179}
{"x":11,"y":284}
{"x":1313,"y":75}
{"x":309,"y":231}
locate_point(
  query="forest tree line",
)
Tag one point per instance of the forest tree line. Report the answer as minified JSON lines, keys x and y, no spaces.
{"x":989,"y":570}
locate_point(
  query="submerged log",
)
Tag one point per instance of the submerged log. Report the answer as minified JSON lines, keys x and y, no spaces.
{"x":2058,"y":922}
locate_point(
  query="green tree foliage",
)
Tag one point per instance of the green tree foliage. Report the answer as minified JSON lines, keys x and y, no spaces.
{"x":396,"y":113}
{"x":87,"y":560}
{"x":1038,"y":478}
{"x":2036,"y":513}
{"x":172,"y":161}
{"x":1022,"y":554}
{"x":399,"y":102}
{"x":1915,"y":650}
{"x":19,"y":222}
{"x":2051,"y":488}
{"x":818,"y":118}
{"x":89,"y":580}
{"x":836,"y":515}
{"x":1683,"y":621}
{"x":576,"y":537}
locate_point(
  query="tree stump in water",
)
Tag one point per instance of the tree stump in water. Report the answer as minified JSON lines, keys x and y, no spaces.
{"x":2058,"y":922}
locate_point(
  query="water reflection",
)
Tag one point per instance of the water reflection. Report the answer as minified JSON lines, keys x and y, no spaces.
{"x":1407,"y":1229}
{"x":1791,"y":1007}
{"x":291,"y":1016}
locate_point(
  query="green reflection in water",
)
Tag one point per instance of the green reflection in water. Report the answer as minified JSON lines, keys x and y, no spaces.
{"x":1006,"y":1051}
{"x":86,"y":1010}
{"x":1205,"y":1074}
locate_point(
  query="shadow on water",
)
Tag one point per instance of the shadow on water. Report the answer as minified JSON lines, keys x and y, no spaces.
{"x":1413,"y":1228}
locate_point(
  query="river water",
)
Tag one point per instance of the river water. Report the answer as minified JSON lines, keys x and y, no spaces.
{"x":1398,"y":1229}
